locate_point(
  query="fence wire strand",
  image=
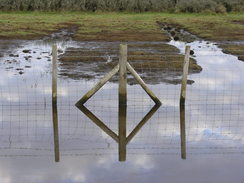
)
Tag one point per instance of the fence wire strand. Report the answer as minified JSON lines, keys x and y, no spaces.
{"x":214,"y":106}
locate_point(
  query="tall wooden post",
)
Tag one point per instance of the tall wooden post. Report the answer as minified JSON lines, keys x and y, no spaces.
{"x":185,"y":73}
{"x":122,"y":101}
{"x":54,"y":73}
{"x":54,"y":103}
{"x":182,"y":102}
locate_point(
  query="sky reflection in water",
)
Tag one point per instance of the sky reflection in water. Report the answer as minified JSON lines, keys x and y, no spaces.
{"x":214,"y":125}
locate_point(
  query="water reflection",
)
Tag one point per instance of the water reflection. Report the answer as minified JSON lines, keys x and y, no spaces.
{"x":213,"y":126}
{"x":55,"y":131}
{"x":54,"y":103}
{"x":122,"y":126}
{"x":182,"y":130}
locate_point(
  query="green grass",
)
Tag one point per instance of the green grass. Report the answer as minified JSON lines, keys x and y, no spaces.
{"x":32,"y":25}
{"x":213,"y":27}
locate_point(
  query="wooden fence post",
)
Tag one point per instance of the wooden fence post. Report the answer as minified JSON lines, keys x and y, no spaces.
{"x":185,"y":73}
{"x":122,"y":67}
{"x":122,"y":101}
{"x":54,"y":103}
{"x":54,"y":73}
{"x":182,"y":102}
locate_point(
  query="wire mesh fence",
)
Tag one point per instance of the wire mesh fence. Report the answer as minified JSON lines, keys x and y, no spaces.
{"x":214,"y":109}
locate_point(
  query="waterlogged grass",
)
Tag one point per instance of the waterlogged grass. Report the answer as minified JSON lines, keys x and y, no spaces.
{"x":212,"y":27}
{"x":119,"y":26}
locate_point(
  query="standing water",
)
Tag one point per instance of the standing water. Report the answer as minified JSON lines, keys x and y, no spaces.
{"x":214,"y":115}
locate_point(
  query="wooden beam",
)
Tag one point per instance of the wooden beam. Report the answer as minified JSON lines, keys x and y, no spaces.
{"x":143,"y":84}
{"x":99,"y":85}
{"x":54,"y":73}
{"x":184,"y":76}
{"x":122,"y":75}
{"x":122,"y":101}
{"x":54,"y":103}
{"x":182,"y":101}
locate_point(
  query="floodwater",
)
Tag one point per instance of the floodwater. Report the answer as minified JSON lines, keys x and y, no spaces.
{"x":208,"y":147}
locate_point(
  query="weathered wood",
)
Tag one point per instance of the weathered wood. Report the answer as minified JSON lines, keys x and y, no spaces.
{"x":122,"y":69}
{"x":55,"y":132}
{"x":99,"y":85}
{"x":184,"y":76}
{"x":122,"y":132}
{"x":54,"y":103}
{"x":122,"y":101}
{"x":143,"y":84}
{"x":99,"y":123}
{"x":142,"y":122}
{"x":182,"y":131}
{"x":122,"y":75}
{"x":182,"y":102}
{"x":54,"y":72}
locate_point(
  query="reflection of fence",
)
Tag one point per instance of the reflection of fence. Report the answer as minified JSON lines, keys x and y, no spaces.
{"x":213,"y":110}
{"x":122,"y":68}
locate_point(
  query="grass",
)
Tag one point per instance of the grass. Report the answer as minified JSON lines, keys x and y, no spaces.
{"x":234,"y":49}
{"x":97,"y":26}
{"x":119,"y":26}
{"x":211,"y":27}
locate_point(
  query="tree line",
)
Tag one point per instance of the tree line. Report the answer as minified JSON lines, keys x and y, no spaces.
{"x":188,"y":6}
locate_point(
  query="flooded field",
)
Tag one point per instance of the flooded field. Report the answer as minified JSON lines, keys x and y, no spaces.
{"x":214,"y":113}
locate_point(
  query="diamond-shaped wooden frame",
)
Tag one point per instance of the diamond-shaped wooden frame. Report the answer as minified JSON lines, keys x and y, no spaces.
{"x":121,"y":68}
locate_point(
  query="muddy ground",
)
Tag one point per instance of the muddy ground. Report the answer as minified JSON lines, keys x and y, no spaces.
{"x":148,"y":53}
{"x":234,"y":49}
{"x":177,"y":33}
{"x":155,"y":61}
{"x":6,"y":46}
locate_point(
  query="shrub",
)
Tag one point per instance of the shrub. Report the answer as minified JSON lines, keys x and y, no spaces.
{"x":192,"y":6}
{"x":220,"y":9}
{"x":196,"y":6}
{"x":232,"y":5}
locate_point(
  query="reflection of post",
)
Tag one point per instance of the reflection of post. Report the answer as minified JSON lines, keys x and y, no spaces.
{"x":182,"y":131}
{"x":182,"y":103}
{"x":185,"y":73}
{"x":54,"y":103}
{"x":122,"y":113}
{"x":122,"y":101}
